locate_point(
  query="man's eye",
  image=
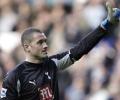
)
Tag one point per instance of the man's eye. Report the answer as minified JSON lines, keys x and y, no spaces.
{"x":40,"y":42}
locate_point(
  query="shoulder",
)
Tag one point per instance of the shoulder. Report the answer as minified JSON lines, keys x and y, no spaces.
{"x":62,"y":60}
{"x":13,"y":75}
{"x":49,"y":61}
{"x":59,"y":55}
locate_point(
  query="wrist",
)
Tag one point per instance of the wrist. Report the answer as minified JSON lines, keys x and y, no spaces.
{"x":106,"y":24}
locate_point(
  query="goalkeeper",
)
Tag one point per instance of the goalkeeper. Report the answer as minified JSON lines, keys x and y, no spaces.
{"x":36,"y":77}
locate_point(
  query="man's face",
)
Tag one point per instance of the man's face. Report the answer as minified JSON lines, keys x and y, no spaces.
{"x":38,"y":46}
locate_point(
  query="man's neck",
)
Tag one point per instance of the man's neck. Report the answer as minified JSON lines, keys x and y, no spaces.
{"x":36,"y":61}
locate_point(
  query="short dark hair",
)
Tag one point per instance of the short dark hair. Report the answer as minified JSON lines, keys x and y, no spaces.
{"x":28,"y":33}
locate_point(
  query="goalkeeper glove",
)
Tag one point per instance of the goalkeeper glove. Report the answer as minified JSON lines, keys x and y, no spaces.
{"x":112,"y":18}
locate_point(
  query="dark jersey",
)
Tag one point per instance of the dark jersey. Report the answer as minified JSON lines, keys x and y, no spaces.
{"x":29,"y":81}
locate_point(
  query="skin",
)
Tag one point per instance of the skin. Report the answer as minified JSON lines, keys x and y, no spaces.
{"x":36,"y":50}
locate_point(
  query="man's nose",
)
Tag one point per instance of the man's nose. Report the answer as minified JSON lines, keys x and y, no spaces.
{"x":45,"y":46}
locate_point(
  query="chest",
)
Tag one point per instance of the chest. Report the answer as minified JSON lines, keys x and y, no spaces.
{"x":38,"y":83}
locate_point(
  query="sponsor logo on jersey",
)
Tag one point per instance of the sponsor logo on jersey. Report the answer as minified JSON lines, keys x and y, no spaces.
{"x":45,"y":93}
{"x":3,"y":92}
{"x":32,"y":82}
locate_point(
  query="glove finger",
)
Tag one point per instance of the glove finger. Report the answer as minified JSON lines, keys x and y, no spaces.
{"x":117,"y":12}
{"x":110,"y":10}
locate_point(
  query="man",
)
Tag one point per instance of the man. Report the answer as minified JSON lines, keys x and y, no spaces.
{"x":36,"y":77}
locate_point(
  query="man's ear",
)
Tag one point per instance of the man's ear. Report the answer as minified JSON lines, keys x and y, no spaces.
{"x":26,"y":46}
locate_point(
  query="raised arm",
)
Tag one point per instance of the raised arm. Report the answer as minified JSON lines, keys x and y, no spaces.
{"x":88,"y":42}
{"x":65,"y":59}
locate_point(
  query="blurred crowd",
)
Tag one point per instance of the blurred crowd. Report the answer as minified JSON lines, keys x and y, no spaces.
{"x":96,"y":76}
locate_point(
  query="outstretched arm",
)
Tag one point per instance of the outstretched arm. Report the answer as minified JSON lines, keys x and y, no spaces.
{"x":65,"y":59}
{"x":88,"y":42}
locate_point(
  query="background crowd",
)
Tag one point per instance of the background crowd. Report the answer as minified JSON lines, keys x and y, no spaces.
{"x":96,"y":76}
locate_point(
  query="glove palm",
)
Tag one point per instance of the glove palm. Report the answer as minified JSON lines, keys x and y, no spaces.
{"x":112,"y":18}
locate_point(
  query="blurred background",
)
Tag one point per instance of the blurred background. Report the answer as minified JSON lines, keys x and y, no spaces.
{"x":96,"y":76}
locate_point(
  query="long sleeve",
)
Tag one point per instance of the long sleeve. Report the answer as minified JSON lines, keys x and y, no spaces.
{"x":65,"y":59}
{"x":87,"y":43}
{"x":9,"y":88}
